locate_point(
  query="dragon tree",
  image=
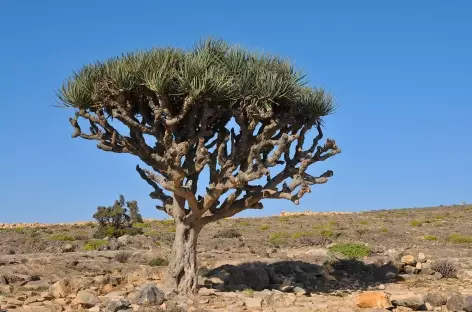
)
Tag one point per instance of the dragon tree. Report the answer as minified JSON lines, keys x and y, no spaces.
{"x":218,"y":128}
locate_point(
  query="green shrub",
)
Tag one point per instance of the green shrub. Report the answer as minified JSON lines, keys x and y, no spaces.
{"x":383,"y":230}
{"x":158,"y":262}
{"x":141,"y":225}
{"x":110,"y":231}
{"x":328,"y":233}
{"x":364,"y":222}
{"x":297,"y":235}
{"x":416,"y":223}
{"x":62,"y":237}
{"x":430,"y":238}
{"x":264,"y":227}
{"x":244,"y":223}
{"x":228,"y":233}
{"x":459,"y":239}
{"x":438,"y":217}
{"x":351,"y":251}
{"x":95,"y":244}
{"x":248,"y":292}
{"x":168,"y":222}
{"x":279,"y":238}
{"x":122,"y":256}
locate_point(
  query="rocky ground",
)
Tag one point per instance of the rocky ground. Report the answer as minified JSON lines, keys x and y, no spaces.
{"x":400,"y":260}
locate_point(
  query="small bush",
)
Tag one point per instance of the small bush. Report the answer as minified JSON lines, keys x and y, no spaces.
{"x":459,"y":239}
{"x":430,"y":238}
{"x":363,"y":222}
{"x":229,"y":233}
{"x":416,"y":223}
{"x":264,"y":227}
{"x":122,"y":256}
{"x":95,"y":244}
{"x":351,"y":251}
{"x":446,"y":267}
{"x":110,"y":231}
{"x":62,"y":237}
{"x":158,"y":262}
{"x":248,"y":292}
{"x":314,"y":241}
{"x":328,"y":233}
{"x":383,"y":230}
{"x":244,"y":223}
{"x":141,"y":225}
{"x":168,"y":222}
{"x":297,"y":235}
{"x":438,"y":217}
{"x":279,"y":238}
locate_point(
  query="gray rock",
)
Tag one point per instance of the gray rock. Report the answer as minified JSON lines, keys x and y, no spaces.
{"x":410,"y":300}
{"x":410,"y":269}
{"x":435,"y":299}
{"x":150,"y":295}
{"x":117,"y":304}
{"x":455,"y":303}
{"x":468,"y":304}
{"x":437,"y":276}
{"x":125,"y":239}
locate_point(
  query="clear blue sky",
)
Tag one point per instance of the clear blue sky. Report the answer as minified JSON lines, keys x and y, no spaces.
{"x":401,"y":72}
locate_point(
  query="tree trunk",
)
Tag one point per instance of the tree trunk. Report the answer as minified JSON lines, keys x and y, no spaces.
{"x":183,"y":266}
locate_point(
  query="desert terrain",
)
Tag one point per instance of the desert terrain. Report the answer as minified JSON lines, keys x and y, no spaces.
{"x":391,"y":260}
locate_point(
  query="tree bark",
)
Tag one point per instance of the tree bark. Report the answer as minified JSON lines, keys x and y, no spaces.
{"x":183,"y":266}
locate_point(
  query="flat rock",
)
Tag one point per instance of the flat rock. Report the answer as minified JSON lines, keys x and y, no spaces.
{"x":436,"y":299}
{"x":36,"y":285}
{"x":410,"y":300}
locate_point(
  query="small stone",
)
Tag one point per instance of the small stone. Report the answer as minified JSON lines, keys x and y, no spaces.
{"x":429,"y":306}
{"x":455,"y":303}
{"x":299,"y":291}
{"x":373,"y":299}
{"x":410,"y":300}
{"x":150,"y":295}
{"x":68,"y":248}
{"x":86,"y":299}
{"x":381,"y":286}
{"x":421,"y":257}
{"x":94,"y":309}
{"x":419,"y":265}
{"x":59,"y":289}
{"x":437,"y":276}
{"x":408,"y":259}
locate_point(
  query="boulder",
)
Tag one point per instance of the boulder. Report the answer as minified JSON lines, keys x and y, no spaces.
{"x":36,"y":285}
{"x":468,"y":304}
{"x":410,"y":300}
{"x":150,"y":295}
{"x":436,"y":299}
{"x":373,"y":299}
{"x":455,"y":303}
{"x":86,"y":299}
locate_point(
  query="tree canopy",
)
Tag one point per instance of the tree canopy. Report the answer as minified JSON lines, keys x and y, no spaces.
{"x":234,"y":111}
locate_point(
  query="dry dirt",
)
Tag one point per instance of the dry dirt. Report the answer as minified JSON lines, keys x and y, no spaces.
{"x":283,"y":263}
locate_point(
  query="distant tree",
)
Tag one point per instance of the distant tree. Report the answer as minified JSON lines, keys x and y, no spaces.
{"x":243,"y":116}
{"x":115,"y":220}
